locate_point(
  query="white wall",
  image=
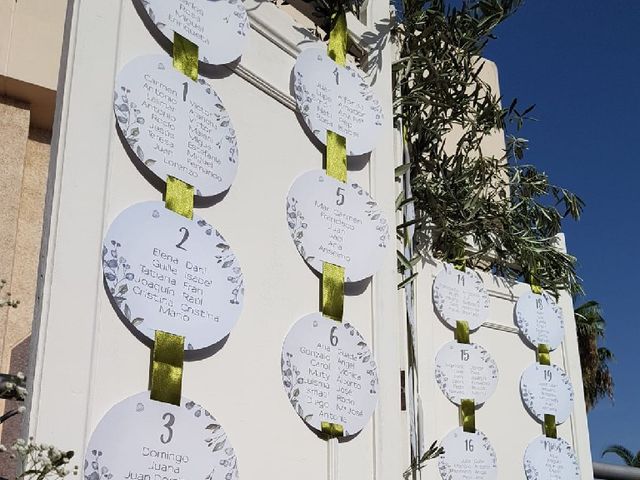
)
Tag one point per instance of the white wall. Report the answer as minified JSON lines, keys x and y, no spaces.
{"x":87,"y":360}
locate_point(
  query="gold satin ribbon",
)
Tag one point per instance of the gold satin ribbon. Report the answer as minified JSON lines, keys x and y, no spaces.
{"x":550,"y":429}
{"x":462,"y":331}
{"x":332,"y":291}
{"x":166,"y":369}
{"x":332,"y":429}
{"x":185,"y":56}
{"x":468,"y":415}
{"x":179,"y":197}
{"x":333,"y":275}
{"x":544,"y":355}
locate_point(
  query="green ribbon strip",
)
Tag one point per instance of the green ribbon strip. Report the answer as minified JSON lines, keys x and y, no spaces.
{"x":544,"y":355}
{"x":462,"y":331}
{"x":550,"y":429}
{"x":185,"y":56}
{"x":338,"y":38}
{"x":333,"y":430}
{"x":468,"y":415}
{"x":179,"y":197}
{"x":166,"y":369}
{"x":332,"y":291}
{"x":336,"y":156}
{"x":535,"y":287}
{"x":460,"y":262}
{"x":333,"y":275}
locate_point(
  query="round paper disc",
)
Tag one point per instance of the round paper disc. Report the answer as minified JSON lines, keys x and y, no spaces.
{"x":339,"y":223}
{"x":467,"y":456}
{"x":218,"y":27}
{"x":336,"y":98}
{"x":540,"y":320}
{"x":329,"y":373}
{"x":142,"y":439}
{"x":466,"y":371}
{"x":550,"y":459}
{"x":547,"y":389}
{"x":166,"y":272}
{"x":175,"y":126}
{"x":460,"y":295}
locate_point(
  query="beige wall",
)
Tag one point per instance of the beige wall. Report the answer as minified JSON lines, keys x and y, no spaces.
{"x":24,"y":161}
{"x":30,"y":43}
{"x":31,"y":34}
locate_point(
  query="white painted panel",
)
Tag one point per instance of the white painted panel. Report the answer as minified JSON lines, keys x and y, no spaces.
{"x":87,"y":360}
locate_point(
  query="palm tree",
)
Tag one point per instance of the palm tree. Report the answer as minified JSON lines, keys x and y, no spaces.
{"x":625,"y":454}
{"x":594,"y":360}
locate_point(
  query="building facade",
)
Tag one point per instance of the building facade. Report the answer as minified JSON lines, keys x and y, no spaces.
{"x":85,"y":360}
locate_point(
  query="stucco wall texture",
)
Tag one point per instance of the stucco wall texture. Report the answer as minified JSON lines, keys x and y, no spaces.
{"x":24,"y":162}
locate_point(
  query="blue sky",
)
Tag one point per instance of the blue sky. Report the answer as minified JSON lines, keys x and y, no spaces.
{"x":579,"y":62}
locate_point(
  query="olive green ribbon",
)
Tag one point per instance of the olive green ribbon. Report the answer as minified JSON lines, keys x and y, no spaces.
{"x":337,"y":144}
{"x":338,"y":38}
{"x":535,"y":287}
{"x":550,"y":429}
{"x":333,"y":430}
{"x":462,"y":331}
{"x":166,"y":368}
{"x":468,"y":415}
{"x":179,"y":197}
{"x":332,"y":291}
{"x":336,"y":156}
{"x":185,"y":56}
{"x":333,"y":275}
{"x":544,"y":355}
{"x":168,"y":349}
{"x":460,"y":262}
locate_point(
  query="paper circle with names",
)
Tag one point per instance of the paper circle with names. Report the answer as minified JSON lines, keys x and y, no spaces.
{"x":175,"y":126}
{"x":166,"y":272}
{"x":218,"y":27}
{"x":550,"y":459}
{"x":336,"y":222}
{"x":143,"y":439}
{"x":332,"y":97}
{"x":329,"y":373}
{"x":467,"y":456}
{"x":539,"y":318}
{"x":460,"y":295}
{"x":547,"y":389}
{"x":466,"y":370}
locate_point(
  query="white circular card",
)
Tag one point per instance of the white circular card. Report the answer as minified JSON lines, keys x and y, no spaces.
{"x":336,"y":222}
{"x":336,"y":98}
{"x":175,"y":126}
{"x":550,"y":459}
{"x":466,"y":371}
{"x":460,"y":295}
{"x":539,"y":319}
{"x":142,"y":439}
{"x":166,"y":272}
{"x":547,"y":389}
{"x":218,"y":27}
{"x":329,"y":373}
{"x":467,"y":456}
